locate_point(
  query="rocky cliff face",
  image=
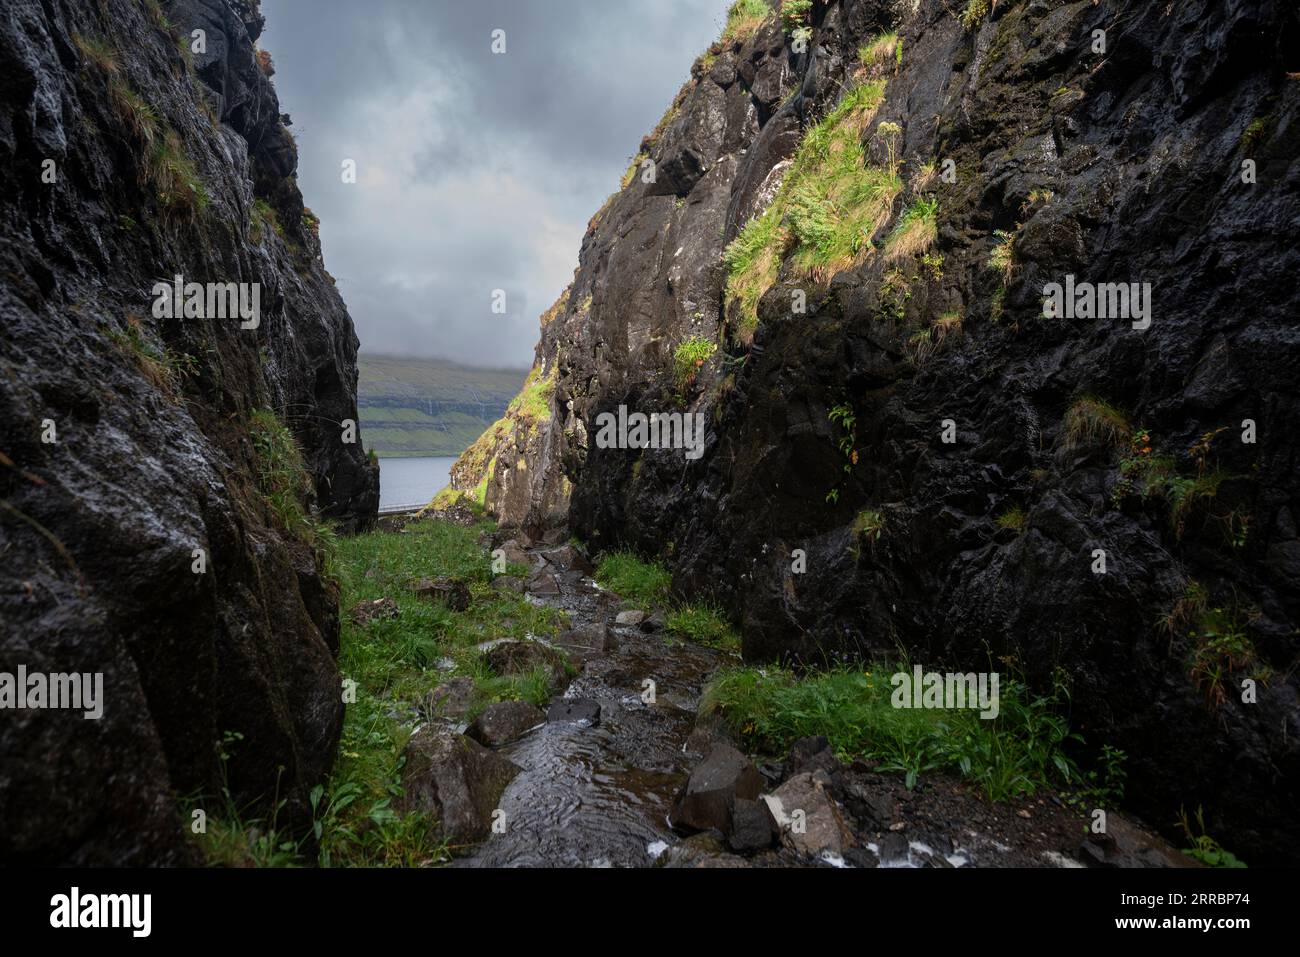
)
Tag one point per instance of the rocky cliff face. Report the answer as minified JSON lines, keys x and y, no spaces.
{"x":159,"y":521}
{"x":867,"y":231}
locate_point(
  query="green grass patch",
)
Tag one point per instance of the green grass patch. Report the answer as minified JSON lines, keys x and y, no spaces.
{"x":704,"y":624}
{"x":974,"y":13}
{"x":795,"y":14}
{"x":689,"y":356}
{"x":261,"y":217}
{"x":883,"y":51}
{"x":829,"y":205}
{"x":1203,"y":847}
{"x":163,"y":368}
{"x":1009,"y":756}
{"x":1092,"y":421}
{"x":917,"y":230}
{"x":744,"y":18}
{"x":636,"y":581}
{"x":395,"y":663}
{"x":1002,"y":260}
{"x":1015,"y":519}
{"x":534,"y":400}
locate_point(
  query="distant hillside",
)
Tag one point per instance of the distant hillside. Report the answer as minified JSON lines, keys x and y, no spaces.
{"x":429,"y":406}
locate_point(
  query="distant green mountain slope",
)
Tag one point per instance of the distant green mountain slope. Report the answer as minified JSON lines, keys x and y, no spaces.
{"x":429,"y":406}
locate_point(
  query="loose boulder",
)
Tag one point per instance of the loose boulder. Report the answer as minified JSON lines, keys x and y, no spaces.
{"x":504,"y":722}
{"x":809,"y":818}
{"x":710,"y":793}
{"x":452,"y":699}
{"x":456,"y":780}
{"x":367,"y":611}
{"x":451,"y":592}
{"x":519,"y":657}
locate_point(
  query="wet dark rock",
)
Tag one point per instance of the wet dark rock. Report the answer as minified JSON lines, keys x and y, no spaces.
{"x":455,"y":779}
{"x":568,"y":558}
{"x":691,"y":851}
{"x":860,"y":857}
{"x":811,"y":754}
{"x":709,"y":731}
{"x":752,"y":827}
{"x":515,"y":553}
{"x":378,"y":610}
{"x":544,"y":584}
{"x":504,"y":722}
{"x":150,"y":466}
{"x":583,"y":711}
{"x":1126,"y":845}
{"x":873,"y":808}
{"x":452,"y":593}
{"x":588,"y":641}
{"x":707,"y":800}
{"x":1056,"y":146}
{"x":893,"y":847}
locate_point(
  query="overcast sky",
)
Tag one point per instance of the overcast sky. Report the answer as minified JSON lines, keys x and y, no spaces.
{"x":475,"y":171}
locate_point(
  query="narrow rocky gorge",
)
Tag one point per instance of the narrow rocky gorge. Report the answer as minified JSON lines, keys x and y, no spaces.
{"x":951,"y":461}
{"x":628,"y":766}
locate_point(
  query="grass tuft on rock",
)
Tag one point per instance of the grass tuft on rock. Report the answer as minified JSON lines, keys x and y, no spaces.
{"x":704,"y":624}
{"x":633,"y":579}
{"x":829,"y":205}
{"x":689,"y":357}
{"x":917,"y":230}
{"x":1093,"y":421}
{"x":744,"y":18}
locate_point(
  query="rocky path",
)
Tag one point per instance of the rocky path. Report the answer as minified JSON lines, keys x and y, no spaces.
{"x":620,"y":771}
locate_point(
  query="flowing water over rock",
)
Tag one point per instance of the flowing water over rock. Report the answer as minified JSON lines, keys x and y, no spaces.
{"x":599,"y":777}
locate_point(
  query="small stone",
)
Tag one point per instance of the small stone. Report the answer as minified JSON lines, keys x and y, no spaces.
{"x":451,"y":592}
{"x":367,"y":611}
{"x":630,"y":618}
{"x":451,"y":700}
{"x":504,"y":722}
{"x":582,"y":711}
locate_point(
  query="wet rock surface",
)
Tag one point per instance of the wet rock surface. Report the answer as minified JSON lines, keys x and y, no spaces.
{"x":154,"y":457}
{"x":454,"y":779}
{"x":504,"y":722}
{"x":1053,"y":145}
{"x":625,"y":768}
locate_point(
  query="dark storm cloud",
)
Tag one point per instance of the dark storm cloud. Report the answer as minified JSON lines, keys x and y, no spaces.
{"x":476,"y":172}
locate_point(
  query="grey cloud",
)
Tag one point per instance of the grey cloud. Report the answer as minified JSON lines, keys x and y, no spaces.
{"x":476,"y":171}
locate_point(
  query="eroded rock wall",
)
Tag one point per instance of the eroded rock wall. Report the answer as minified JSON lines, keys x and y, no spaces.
{"x":1123,"y":164}
{"x":127,"y":440}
